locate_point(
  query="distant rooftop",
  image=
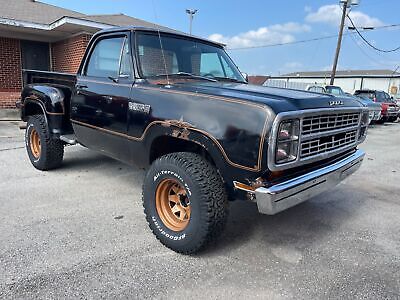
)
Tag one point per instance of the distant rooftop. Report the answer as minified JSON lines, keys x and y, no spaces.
{"x":353,"y":73}
{"x":41,"y":13}
{"x":34,"y":20}
{"x":258,"y":79}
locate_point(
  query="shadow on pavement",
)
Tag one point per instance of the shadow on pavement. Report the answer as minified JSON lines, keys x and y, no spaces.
{"x":298,"y":227}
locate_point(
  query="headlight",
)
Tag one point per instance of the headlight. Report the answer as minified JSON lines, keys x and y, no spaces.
{"x":371,"y":115}
{"x":364,"y":125}
{"x":365,"y":119}
{"x":287,"y":144}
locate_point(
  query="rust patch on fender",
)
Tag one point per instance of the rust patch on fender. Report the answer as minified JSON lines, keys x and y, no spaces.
{"x":182,"y":134}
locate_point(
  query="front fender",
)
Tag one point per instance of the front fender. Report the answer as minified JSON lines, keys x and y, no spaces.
{"x":181,"y":133}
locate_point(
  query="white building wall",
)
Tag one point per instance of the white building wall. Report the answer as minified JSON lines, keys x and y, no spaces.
{"x":349,"y":85}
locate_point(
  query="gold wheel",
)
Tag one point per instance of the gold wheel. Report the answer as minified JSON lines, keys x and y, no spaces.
{"x":34,"y":141}
{"x":172,"y":204}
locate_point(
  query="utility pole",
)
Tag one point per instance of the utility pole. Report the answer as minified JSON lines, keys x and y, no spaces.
{"x":191,"y":13}
{"x":346,"y":4}
{"x":339,"y":42}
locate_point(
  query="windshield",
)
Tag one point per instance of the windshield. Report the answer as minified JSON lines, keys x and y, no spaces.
{"x":381,"y":97}
{"x":182,"y":56}
{"x":334,"y":90}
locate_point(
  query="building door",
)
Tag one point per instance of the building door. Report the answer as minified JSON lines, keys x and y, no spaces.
{"x":35,"y":56}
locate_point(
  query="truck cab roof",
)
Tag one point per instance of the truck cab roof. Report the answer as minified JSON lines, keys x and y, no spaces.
{"x":156,"y":30}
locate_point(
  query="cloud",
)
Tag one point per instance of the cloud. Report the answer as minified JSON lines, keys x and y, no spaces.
{"x":293,"y":65}
{"x":331,"y":14}
{"x":278,"y":33}
{"x":290,"y":67}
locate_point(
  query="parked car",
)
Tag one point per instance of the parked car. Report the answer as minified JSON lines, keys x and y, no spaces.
{"x":338,"y":92}
{"x":316,"y":89}
{"x":389,"y":108}
{"x":397,"y":99}
{"x":335,"y":90}
{"x":374,"y":108}
{"x":178,"y":106}
{"x":375,"y":111}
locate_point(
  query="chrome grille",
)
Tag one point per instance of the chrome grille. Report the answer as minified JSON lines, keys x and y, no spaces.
{"x":321,"y":133}
{"x":323,"y":123}
{"x":328,"y":143}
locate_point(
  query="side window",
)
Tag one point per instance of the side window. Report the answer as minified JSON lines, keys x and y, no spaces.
{"x":210,"y":64}
{"x":105,"y":58}
{"x":126,"y":61}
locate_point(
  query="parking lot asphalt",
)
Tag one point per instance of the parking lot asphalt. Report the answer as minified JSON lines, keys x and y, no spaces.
{"x":80,"y":232}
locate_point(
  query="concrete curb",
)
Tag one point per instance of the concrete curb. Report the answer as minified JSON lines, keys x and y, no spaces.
{"x":9,"y":115}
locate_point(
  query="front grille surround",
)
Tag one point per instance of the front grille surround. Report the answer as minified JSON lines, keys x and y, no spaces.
{"x":340,"y":131}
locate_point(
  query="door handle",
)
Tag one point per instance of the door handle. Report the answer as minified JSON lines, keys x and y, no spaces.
{"x":109,"y":99}
{"x":80,"y":87}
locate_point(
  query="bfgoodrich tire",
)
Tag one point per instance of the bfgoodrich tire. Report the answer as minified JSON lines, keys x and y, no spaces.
{"x":185,"y":202}
{"x":45,"y":153}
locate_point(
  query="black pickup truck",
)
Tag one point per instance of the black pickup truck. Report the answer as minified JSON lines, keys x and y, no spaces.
{"x":178,"y":106}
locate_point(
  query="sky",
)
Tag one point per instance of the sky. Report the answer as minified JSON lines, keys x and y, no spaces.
{"x":241,"y":24}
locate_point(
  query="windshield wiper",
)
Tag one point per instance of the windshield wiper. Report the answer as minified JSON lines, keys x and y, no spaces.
{"x":187,"y":75}
{"x":229,"y":79}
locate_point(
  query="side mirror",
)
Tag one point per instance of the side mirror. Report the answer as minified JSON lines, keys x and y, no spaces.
{"x":246,"y":76}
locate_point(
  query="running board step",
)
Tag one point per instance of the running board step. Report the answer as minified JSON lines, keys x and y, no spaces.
{"x":69,"y":139}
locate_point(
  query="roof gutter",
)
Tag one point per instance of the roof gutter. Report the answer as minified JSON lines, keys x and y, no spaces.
{"x":55,"y":24}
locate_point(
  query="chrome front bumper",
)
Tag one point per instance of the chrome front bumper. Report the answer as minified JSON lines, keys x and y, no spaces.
{"x":284,"y":195}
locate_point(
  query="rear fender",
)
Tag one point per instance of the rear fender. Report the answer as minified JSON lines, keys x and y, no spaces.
{"x":49,"y":99}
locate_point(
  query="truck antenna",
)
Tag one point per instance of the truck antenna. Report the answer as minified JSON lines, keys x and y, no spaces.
{"x":161,"y":45}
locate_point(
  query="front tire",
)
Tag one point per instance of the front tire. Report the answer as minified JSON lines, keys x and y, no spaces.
{"x":185,"y":202}
{"x":45,"y":152}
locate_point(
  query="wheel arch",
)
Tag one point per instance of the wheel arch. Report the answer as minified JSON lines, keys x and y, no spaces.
{"x":166,"y":144}
{"x":32,"y":107}
{"x":199,"y":144}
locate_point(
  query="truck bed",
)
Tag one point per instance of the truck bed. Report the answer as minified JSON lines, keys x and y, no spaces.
{"x":49,"y":78}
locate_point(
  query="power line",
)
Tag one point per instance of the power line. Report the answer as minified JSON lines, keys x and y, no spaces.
{"x":368,"y":43}
{"x":310,"y":40}
{"x":368,"y":56}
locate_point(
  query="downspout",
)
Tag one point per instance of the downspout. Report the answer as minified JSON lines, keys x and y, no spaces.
{"x":51,"y":57}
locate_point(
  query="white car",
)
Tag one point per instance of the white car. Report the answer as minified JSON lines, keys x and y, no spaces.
{"x":316,"y":89}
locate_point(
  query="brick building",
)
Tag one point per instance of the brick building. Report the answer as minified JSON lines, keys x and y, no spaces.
{"x":35,"y":35}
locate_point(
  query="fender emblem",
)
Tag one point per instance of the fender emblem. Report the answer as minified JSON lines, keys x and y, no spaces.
{"x":336,"y":103}
{"x":144,"y":108}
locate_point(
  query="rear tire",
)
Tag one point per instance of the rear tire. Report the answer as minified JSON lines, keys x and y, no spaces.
{"x":45,"y":152}
{"x":185,"y":202}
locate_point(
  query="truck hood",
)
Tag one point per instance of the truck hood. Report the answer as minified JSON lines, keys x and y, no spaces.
{"x":278,"y":99}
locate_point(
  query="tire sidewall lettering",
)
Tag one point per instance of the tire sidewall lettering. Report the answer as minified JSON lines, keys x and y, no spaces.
{"x":174,"y":174}
{"x":166,"y":234}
